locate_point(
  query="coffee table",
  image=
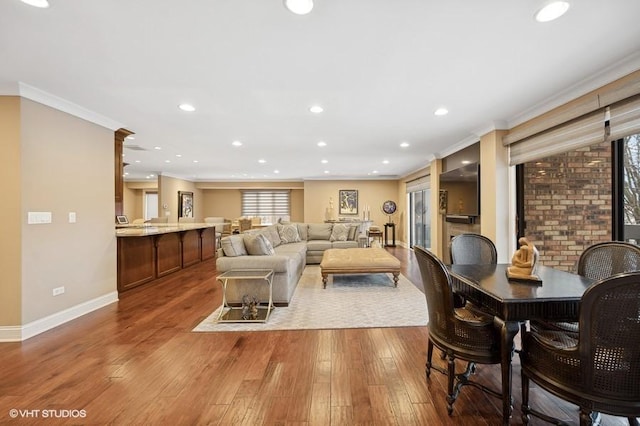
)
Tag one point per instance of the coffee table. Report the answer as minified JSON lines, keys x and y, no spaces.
{"x":359,"y":261}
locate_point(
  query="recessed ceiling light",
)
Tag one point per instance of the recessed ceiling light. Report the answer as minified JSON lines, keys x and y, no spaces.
{"x":551,"y":11}
{"x":195,"y":161}
{"x":130,"y":137}
{"x":326,"y":172}
{"x":126,"y":173}
{"x":276,"y":171}
{"x":299,"y":7}
{"x":385,"y":161}
{"x":157,"y":147}
{"x":262,"y":161}
{"x":324,"y":161}
{"x":37,"y":3}
{"x":404,"y":144}
{"x":466,"y":162}
{"x":138,"y":161}
{"x":236,"y":143}
{"x":322,"y":143}
{"x":152,"y":175}
{"x":187,"y":107}
{"x":178,"y":155}
{"x":167,"y":161}
{"x":374,"y":172}
{"x":441,"y":111}
{"x":316,"y":109}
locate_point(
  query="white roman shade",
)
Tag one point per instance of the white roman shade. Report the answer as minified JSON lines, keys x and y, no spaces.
{"x":625,"y":118}
{"x":266,"y":203}
{"x":580,"y":132}
{"x":419,"y":184}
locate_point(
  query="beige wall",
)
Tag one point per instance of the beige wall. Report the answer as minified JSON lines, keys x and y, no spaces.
{"x":134,"y":198}
{"x":10,"y":213}
{"x":168,"y":188}
{"x":66,"y":166}
{"x":370,"y":192}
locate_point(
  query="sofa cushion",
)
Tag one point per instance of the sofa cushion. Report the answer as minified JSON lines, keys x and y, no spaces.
{"x":288,"y":234}
{"x":319,"y":231}
{"x":233,"y":246}
{"x":271,"y":232}
{"x":340,"y":232}
{"x":258,"y":244}
{"x":303,"y":231}
{"x":318,"y":245}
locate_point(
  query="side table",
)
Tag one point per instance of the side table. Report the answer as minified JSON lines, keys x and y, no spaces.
{"x":234,"y":314}
{"x":393,"y":234}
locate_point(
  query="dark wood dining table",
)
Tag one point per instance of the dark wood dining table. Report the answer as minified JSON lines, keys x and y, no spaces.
{"x":512,"y":303}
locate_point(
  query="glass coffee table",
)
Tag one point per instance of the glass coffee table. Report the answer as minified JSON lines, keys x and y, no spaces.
{"x":235,"y":313}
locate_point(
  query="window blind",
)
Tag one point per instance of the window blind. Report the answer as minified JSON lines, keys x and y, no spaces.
{"x":419,"y":184}
{"x":583,"y":131}
{"x":266,"y":203}
{"x":625,"y":118}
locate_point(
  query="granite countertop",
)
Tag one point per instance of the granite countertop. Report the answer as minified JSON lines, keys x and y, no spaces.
{"x":147,"y":229}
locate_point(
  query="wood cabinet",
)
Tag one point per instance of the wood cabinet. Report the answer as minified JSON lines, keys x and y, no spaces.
{"x":147,"y":254}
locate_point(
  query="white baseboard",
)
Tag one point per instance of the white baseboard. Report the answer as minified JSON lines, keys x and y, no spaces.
{"x":20,"y":333}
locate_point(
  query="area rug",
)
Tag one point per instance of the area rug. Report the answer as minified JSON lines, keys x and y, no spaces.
{"x":349,"y":301}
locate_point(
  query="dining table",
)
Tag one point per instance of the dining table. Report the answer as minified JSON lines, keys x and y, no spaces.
{"x":554,"y":297}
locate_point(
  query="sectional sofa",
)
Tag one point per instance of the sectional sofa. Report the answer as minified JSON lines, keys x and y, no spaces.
{"x":285,"y":248}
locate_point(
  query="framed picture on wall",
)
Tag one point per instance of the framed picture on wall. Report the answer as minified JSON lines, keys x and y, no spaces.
{"x":185,"y":204}
{"x":348,"y":201}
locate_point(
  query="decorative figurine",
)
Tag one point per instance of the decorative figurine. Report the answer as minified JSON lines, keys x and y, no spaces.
{"x":523,"y":262}
{"x":249,"y":307}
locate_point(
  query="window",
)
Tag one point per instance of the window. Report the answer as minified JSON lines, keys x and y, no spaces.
{"x":266,"y":203}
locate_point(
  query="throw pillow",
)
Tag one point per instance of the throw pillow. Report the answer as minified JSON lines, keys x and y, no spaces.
{"x":352,"y":232}
{"x":233,"y":246}
{"x":271,"y":232}
{"x":288,"y":234}
{"x":258,"y":245}
{"x":340,"y":232}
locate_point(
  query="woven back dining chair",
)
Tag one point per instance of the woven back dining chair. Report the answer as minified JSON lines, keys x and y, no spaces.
{"x":473,"y":249}
{"x":460,"y":333}
{"x":598,"y":368}
{"x":599,"y":261}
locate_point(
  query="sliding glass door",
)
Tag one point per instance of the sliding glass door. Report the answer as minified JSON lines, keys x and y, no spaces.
{"x":630,"y":188}
{"x":420,"y":221}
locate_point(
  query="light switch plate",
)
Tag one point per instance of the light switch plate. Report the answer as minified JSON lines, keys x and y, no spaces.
{"x":72,"y":217}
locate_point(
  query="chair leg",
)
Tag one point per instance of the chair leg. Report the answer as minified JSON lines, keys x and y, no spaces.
{"x":451,"y":375}
{"x":429,"y":355}
{"x":633,"y":421}
{"x":587,"y":417}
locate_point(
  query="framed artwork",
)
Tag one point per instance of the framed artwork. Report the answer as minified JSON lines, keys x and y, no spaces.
{"x":442,"y":201}
{"x":185,"y":204}
{"x":348,"y":201}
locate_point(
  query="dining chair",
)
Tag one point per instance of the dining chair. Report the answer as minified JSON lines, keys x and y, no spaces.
{"x":244,"y":224}
{"x":598,"y":368}
{"x":472,"y":249}
{"x":460,"y":333}
{"x":599,"y":261}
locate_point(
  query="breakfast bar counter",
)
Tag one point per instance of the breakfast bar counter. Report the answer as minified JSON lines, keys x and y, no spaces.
{"x":151,"y":251}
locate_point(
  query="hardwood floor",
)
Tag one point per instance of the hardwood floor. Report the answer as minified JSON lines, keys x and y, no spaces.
{"x":137,"y":362}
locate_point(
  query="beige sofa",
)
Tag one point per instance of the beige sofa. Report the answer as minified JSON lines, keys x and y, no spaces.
{"x":285,"y":248}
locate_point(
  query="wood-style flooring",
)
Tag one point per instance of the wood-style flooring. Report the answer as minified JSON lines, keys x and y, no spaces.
{"x":137,"y":362}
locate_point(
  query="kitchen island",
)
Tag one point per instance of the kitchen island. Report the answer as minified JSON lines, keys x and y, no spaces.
{"x":151,"y":251}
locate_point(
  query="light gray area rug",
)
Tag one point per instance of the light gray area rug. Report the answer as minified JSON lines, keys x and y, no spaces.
{"x":349,"y":301}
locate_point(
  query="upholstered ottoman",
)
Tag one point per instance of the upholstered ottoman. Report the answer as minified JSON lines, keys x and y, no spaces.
{"x":358,"y":261}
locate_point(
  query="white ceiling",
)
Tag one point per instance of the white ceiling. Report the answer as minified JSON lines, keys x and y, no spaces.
{"x":380,"y":68}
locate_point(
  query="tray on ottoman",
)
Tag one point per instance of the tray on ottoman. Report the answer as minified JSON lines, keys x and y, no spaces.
{"x":358,"y":261}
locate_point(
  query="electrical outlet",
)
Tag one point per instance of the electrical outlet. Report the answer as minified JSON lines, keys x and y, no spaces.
{"x":58,"y":291}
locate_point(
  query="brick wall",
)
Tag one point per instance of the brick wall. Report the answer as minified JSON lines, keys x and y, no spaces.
{"x":567,"y":201}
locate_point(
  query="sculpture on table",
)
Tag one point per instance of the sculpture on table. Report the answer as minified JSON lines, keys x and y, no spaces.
{"x":330,"y":213}
{"x":523,"y":262}
{"x":249,"y":307}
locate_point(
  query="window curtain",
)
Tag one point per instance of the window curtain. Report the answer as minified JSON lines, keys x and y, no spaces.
{"x":580,"y":132}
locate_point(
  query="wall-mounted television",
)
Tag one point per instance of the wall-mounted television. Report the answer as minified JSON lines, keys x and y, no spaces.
{"x":460,"y":191}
